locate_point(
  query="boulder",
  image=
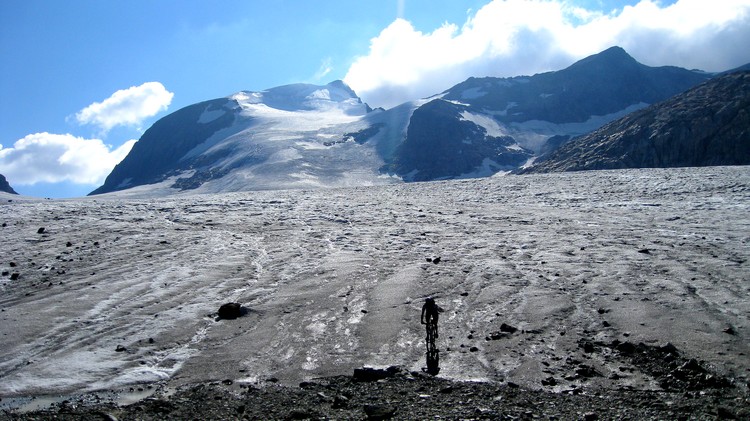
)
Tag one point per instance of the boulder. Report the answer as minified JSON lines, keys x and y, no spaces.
{"x":230,"y":311}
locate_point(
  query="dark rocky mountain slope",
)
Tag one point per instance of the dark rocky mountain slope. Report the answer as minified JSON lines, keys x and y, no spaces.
{"x":601,"y":84}
{"x":5,"y":186}
{"x":485,"y":125}
{"x":160,"y":150}
{"x":707,"y":125}
{"x":441,"y":143}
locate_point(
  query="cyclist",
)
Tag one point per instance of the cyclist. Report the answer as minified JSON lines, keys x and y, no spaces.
{"x":430,"y":315}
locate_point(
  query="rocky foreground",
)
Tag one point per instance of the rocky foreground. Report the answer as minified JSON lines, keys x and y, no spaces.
{"x":400,"y":395}
{"x":688,"y":389}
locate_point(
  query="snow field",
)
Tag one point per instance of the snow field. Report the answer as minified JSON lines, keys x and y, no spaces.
{"x":121,"y":290}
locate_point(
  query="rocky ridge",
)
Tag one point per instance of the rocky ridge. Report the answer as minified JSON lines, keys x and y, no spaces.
{"x":5,"y":186}
{"x":707,"y":125}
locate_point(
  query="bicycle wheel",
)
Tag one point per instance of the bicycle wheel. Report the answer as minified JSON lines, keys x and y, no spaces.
{"x":431,"y":331}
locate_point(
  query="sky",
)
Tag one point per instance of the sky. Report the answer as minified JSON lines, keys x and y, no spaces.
{"x":81,"y":80}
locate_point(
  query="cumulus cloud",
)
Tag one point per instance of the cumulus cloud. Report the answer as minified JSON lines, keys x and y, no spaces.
{"x":523,"y":37}
{"x":127,"y":107}
{"x":53,"y":158}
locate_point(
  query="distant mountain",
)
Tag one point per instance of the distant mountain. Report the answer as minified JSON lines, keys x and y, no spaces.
{"x":308,"y":136}
{"x":707,"y":125}
{"x":485,"y":125}
{"x":445,"y":140}
{"x":5,"y":186}
{"x":292,"y":136}
{"x":605,"y":83}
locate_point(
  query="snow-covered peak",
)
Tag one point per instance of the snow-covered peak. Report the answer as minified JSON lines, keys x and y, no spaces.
{"x":306,"y":97}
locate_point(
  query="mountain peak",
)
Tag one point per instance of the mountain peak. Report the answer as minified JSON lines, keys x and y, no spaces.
{"x":611,"y":58}
{"x":305,"y":97}
{"x":615,"y":52}
{"x":340,"y":84}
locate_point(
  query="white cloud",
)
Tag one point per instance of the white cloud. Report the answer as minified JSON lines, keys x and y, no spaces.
{"x":52,"y":158}
{"x":523,"y":37}
{"x":127,"y":107}
{"x":325,"y":68}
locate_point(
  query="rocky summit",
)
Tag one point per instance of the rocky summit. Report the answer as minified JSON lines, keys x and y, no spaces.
{"x":707,"y":125}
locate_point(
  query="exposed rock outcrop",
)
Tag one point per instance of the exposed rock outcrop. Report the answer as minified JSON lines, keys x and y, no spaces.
{"x":707,"y":125}
{"x":5,"y":186}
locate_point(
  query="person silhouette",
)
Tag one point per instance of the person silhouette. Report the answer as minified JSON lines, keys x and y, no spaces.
{"x":430,"y":316}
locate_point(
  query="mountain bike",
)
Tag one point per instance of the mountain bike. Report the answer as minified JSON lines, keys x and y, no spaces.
{"x":431,"y":336}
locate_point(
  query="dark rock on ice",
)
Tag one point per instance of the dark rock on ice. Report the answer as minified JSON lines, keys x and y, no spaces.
{"x":231,"y":311}
{"x":508,"y":328}
{"x":497,"y":335}
{"x":40,"y":230}
{"x":369,"y":374}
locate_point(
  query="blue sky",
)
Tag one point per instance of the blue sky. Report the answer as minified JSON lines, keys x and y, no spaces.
{"x":81,"y":80}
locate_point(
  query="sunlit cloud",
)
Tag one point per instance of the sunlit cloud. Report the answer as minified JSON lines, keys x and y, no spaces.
{"x":127,"y":107}
{"x":53,"y":158}
{"x":524,"y":37}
